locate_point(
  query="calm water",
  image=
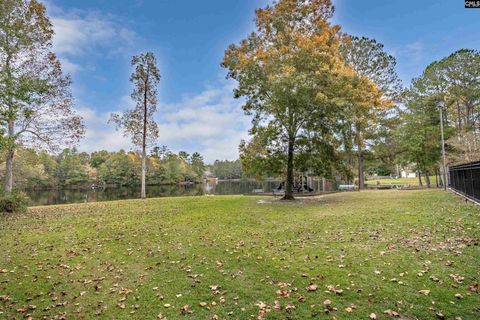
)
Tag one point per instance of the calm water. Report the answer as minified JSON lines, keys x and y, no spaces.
{"x":45,"y":197}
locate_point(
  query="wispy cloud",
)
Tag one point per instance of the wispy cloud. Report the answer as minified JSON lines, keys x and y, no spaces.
{"x":80,"y":33}
{"x":210,"y":122}
{"x":99,"y":134}
{"x":68,"y":66}
{"x":413,"y":52}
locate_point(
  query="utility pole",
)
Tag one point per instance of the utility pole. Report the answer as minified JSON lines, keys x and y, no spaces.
{"x":441,"y":106}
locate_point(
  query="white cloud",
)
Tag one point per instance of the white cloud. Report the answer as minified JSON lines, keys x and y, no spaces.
{"x":100,"y":135}
{"x":79,"y":33}
{"x":413,"y":52}
{"x":76,"y":35}
{"x":211,"y":122}
{"x":68,"y":66}
{"x":223,"y":147}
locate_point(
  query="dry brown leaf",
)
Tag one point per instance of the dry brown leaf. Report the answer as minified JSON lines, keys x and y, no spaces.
{"x":312,"y":287}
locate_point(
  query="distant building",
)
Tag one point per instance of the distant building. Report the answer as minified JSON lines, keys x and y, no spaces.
{"x":407,"y":173}
{"x":208,"y":174}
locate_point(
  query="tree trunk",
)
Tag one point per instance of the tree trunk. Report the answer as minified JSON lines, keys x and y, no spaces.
{"x":10,"y":123}
{"x":289,"y":184}
{"x":144,"y":171}
{"x":427,"y":179}
{"x":144,"y":142}
{"x":420,"y":178}
{"x":361,"y":177}
{"x":440,"y":178}
{"x":459,"y":117}
{"x":347,"y":140}
{"x":9,"y":161}
{"x":9,"y":171}
{"x":350,"y":157}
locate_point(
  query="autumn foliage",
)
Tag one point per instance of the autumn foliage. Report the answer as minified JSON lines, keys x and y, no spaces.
{"x":298,"y":88}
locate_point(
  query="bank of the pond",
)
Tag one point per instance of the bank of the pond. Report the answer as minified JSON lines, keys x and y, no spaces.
{"x":343,"y":255}
{"x":80,"y":195}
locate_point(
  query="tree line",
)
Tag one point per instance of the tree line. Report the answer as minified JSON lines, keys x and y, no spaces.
{"x":322,"y":102}
{"x":411,"y":134}
{"x":227,"y":170}
{"x":73,"y":169}
{"x":327,"y":103}
{"x":36,"y":104}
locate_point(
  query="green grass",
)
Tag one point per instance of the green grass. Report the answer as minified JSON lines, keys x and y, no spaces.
{"x":129,"y":259}
{"x":403,"y":181}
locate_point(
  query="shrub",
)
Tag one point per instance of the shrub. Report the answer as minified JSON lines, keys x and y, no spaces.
{"x":14,"y":201}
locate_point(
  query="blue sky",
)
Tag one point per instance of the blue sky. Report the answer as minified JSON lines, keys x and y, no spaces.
{"x":96,"y":39}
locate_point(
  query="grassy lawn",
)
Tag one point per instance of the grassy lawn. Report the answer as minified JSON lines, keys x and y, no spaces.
{"x":409,"y":181}
{"x":344,"y":255}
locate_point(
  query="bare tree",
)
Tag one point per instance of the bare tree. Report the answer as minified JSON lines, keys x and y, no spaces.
{"x":138,"y":123}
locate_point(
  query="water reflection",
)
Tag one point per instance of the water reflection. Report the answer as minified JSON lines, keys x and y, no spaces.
{"x":45,"y":197}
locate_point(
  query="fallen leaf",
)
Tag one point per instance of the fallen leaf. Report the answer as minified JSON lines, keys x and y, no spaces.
{"x":185,"y":310}
{"x":424,"y":292}
{"x":276,"y":305}
{"x":312,"y":287}
{"x":391,"y":313}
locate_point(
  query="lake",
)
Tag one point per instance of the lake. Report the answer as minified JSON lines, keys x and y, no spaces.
{"x":46,"y":197}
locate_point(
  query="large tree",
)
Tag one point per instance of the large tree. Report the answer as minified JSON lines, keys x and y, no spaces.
{"x":36,"y":106}
{"x":419,"y":133}
{"x":139,"y":123}
{"x":369,"y":59}
{"x":296,"y":85}
{"x":455,"y":80}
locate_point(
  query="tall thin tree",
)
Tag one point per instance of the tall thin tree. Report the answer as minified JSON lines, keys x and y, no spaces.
{"x":369,"y":59}
{"x":139,"y":123}
{"x":36,"y":106}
